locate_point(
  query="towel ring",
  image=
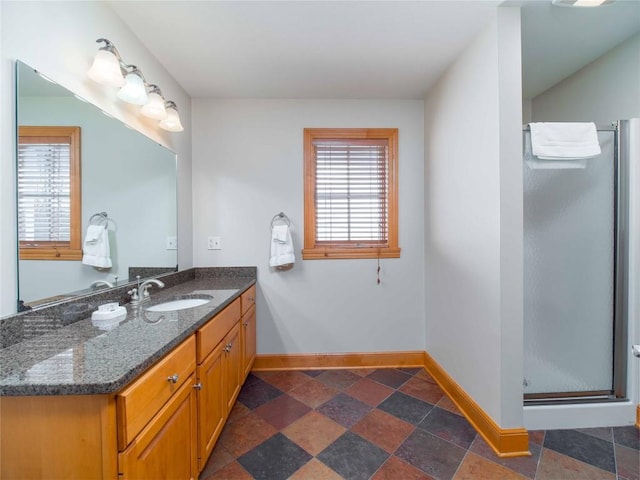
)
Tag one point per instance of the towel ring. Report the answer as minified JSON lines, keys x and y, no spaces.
{"x":99,"y":219}
{"x":280,"y":217}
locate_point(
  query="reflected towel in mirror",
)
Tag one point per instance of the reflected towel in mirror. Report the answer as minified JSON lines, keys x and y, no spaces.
{"x":96,"y":251}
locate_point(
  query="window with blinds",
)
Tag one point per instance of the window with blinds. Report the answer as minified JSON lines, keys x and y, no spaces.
{"x":49,"y":193}
{"x":350,"y":193}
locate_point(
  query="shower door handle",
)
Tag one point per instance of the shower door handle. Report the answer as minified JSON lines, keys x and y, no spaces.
{"x":636,"y":350}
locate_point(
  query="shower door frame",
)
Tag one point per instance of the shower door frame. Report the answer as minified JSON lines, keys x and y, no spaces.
{"x":618,"y":392}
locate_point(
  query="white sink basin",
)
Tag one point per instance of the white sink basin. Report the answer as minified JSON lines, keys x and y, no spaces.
{"x":180,"y":304}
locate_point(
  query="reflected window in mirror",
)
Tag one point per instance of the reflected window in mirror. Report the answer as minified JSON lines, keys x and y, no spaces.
{"x":49,"y":202}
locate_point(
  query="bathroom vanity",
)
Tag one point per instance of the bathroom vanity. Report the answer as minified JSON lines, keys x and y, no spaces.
{"x":145,"y":399}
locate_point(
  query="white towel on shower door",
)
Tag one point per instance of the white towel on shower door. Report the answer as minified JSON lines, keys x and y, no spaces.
{"x":281,"y":246}
{"x":564,"y":141}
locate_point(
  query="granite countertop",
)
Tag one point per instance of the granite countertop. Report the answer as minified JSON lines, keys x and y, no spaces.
{"x":82,"y":359}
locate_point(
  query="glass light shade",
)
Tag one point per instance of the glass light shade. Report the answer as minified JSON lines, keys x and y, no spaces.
{"x":133,"y":90}
{"x":106,"y":69}
{"x":155,"y":108}
{"x":172,"y":122}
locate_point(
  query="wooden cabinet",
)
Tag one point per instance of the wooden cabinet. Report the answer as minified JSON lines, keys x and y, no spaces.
{"x":212,"y":405}
{"x":141,"y":400}
{"x":166,"y":447}
{"x":219,"y":375}
{"x":164,"y":425}
{"x":248,"y":323}
{"x":248,"y":330}
{"x":233,"y":366}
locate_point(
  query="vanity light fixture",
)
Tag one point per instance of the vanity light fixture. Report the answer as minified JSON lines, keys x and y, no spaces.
{"x":110,"y":69}
{"x":172,"y":121}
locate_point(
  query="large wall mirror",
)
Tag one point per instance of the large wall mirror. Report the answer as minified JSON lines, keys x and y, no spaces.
{"x":123,"y":174}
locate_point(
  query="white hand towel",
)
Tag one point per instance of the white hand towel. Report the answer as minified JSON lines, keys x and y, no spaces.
{"x":564,"y":141}
{"x":281,"y":251}
{"x":96,"y":251}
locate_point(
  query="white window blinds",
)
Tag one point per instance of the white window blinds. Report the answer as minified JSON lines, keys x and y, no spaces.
{"x":351,"y":192}
{"x":44,"y":191}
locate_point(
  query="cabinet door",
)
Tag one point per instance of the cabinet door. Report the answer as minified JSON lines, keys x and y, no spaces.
{"x":212,"y":404}
{"x":233,"y":366}
{"x":248,"y":333}
{"x":166,"y":447}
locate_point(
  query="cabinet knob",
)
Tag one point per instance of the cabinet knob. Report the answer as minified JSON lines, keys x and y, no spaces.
{"x":198,"y":386}
{"x":246,"y":324}
{"x":251,"y":299}
{"x":173,"y":378}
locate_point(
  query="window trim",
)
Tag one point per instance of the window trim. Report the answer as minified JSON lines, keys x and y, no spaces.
{"x":71,"y":250}
{"x":314,"y":251}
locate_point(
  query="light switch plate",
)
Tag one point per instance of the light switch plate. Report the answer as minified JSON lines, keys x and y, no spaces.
{"x":214,"y":243}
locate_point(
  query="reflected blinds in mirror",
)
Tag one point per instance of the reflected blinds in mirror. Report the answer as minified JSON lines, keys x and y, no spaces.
{"x":48,"y":188}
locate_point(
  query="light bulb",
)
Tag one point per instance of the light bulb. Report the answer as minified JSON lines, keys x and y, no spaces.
{"x":155,"y":108}
{"x":172,"y":122}
{"x":133,"y":90}
{"x":106,"y":69}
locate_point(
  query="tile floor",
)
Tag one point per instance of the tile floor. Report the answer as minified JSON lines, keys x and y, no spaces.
{"x":391,"y":424}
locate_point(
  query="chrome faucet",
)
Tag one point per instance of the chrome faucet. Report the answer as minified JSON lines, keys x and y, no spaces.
{"x":98,"y":283}
{"x":141,"y":293}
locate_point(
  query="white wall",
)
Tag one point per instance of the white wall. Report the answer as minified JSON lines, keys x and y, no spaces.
{"x":606,"y":90}
{"x":58,"y":38}
{"x":248,"y":166}
{"x":473,"y":199}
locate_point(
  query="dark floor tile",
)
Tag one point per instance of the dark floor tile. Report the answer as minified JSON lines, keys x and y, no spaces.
{"x":448,"y":426}
{"x":627,"y":462}
{"x":353,"y":457}
{"x":257,"y":393}
{"x":345,"y":410}
{"x":588,"y":449}
{"x":430,"y":454}
{"x":313,"y":373}
{"x":627,"y":436}
{"x":605,"y":433}
{"x":282,"y":411}
{"x":251,"y":379}
{"x":525,"y":466}
{"x":537,"y":436}
{"x":275,"y":459}
{"x":406,"y":408}
{"x":390,"y":377}
{"x":410,"y":371}
{"x":340,"y":379}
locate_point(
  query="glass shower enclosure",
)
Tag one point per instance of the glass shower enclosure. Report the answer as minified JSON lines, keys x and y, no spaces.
{"x":574,"y":278}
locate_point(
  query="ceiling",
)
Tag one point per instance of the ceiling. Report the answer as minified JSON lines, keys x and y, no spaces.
{"x":357,"y":49}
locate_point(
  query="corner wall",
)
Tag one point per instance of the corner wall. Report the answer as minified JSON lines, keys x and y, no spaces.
{"x":606,"y":90}
{"x":59,"y":39}
{"x":473,"y":205}
{"x":248,"y":164}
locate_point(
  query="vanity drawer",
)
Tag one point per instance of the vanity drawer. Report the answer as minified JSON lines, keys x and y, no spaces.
{"x":141,"y":400}
{"x":213,"y":332}
{"x":248,"y":299}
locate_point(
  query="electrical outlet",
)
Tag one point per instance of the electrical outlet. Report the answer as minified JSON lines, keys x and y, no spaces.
{"x":172,"y":243}
{"x":214,"y":243}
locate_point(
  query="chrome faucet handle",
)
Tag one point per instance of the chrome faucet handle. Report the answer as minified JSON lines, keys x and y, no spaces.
{"x":134,"y":294}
